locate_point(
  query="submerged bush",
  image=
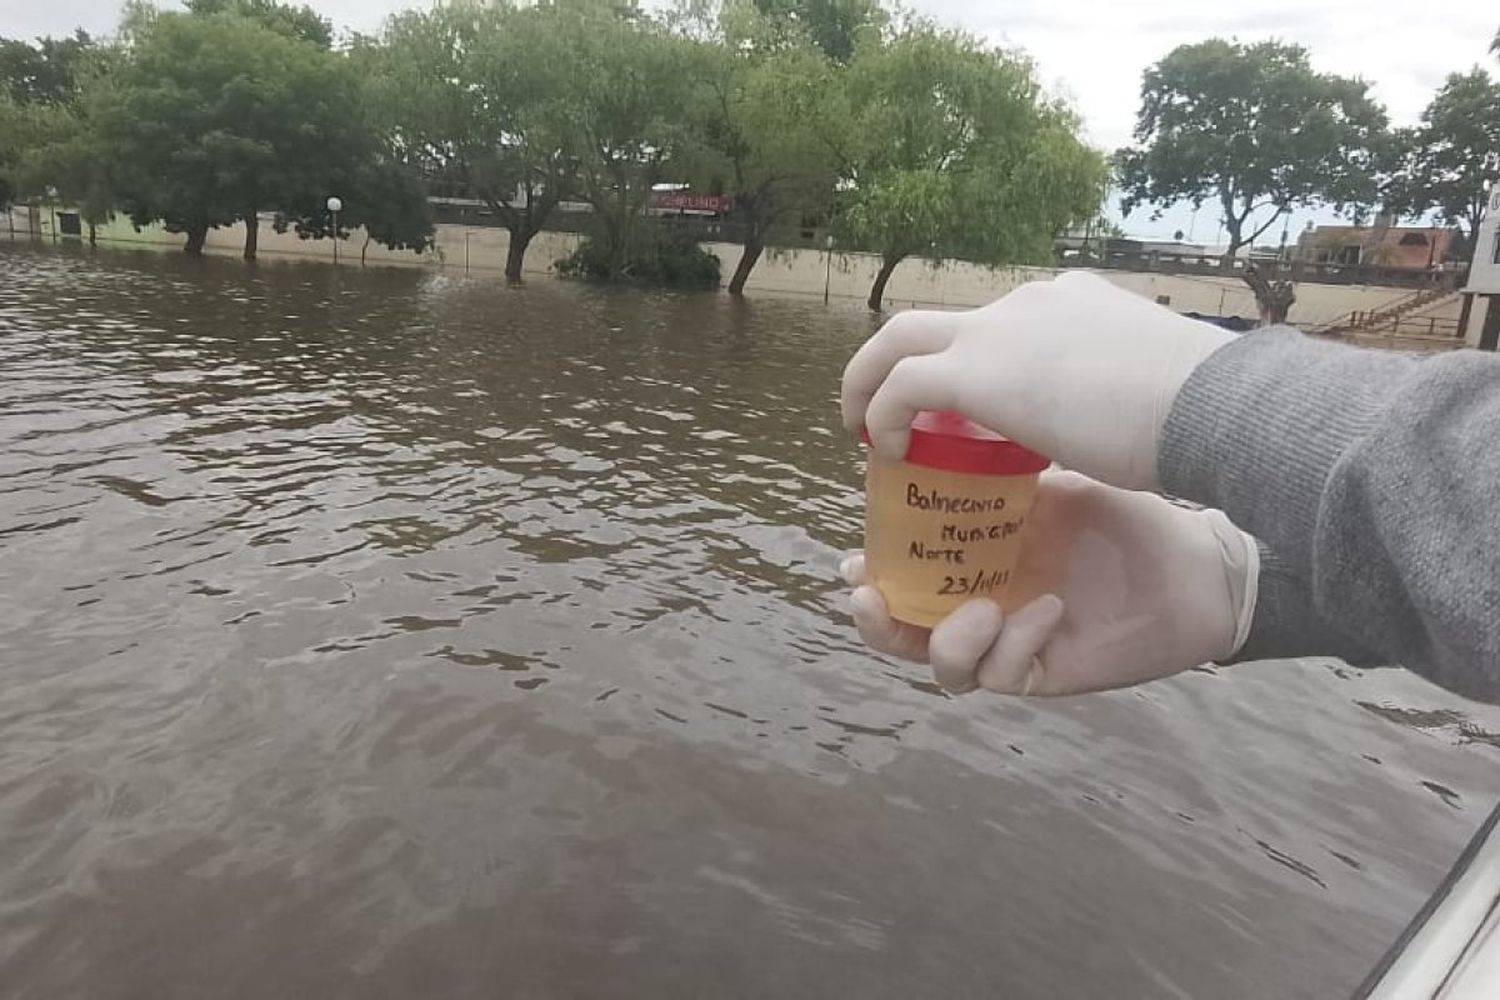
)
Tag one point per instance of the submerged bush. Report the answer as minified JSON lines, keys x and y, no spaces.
{"x":659,"y":256}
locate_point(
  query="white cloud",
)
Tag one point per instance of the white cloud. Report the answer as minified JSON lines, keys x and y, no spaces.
{"x":1092,"y":51}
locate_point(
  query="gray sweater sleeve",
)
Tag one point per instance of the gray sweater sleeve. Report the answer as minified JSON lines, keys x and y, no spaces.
{"x":1373,"y":480}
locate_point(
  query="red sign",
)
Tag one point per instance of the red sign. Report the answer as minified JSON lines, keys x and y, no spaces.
{"x":681,"y":201}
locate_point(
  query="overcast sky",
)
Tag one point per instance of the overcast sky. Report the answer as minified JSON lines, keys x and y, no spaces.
{"x":1093,"y":51}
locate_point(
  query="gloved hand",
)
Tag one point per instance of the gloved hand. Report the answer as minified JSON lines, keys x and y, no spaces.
{"x":1119,"y":588}
{"x":1074,"y":368}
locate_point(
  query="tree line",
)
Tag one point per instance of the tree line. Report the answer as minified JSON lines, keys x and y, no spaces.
{"x":903,"y":137}
{"x":906,"y":138}
{"x":1256,"y":131}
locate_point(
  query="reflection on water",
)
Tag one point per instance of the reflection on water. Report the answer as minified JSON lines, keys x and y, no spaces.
{"x":387,"y":634}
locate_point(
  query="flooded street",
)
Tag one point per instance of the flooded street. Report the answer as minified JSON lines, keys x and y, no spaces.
{"x":392,"y":634}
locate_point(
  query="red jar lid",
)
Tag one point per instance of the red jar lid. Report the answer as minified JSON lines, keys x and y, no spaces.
{"x":951,"y":442}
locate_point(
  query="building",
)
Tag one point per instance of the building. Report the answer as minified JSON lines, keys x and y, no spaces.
{"x":1380,"y":245}
{"x":1479,"y":317}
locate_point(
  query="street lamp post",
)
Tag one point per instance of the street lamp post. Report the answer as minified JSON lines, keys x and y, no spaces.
{"x":335,"y":205}
{"x":52,"y":207}
{"x":827,"y":266}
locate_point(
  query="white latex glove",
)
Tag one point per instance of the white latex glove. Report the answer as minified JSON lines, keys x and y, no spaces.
{"x":1132,"y":588}
{"x":1074,"y":368}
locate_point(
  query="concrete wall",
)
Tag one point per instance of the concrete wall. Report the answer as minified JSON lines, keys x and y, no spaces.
{"x":1484,"y":273}
{"x":1478,"y":311}
{"x":954,"y":284}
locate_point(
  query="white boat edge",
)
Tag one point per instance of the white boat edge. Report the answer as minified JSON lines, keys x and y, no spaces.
{"x":1451,"y":950}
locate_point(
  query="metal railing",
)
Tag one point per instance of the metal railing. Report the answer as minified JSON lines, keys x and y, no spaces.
{"x":1322,"y":272}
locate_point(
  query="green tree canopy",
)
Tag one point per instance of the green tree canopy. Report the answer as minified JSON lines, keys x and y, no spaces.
{"x":834,"y":26}
{"x":952,"y":149}
{"x":213,"y":118}
{"x":765,"y":137}
{"x":47,"y":72}
{"x":475,"y":98}
{"x":66,"y":156}
{"x":1251,"y":127}
{"x":23,"y":129}
{"x":631,"y":114}
{"x":302,"y":23}
{"x":1453,"y":154}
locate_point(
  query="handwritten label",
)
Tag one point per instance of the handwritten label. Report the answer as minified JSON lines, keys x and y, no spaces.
{"x":933,"y":500}
{"x":935,"y":539}
{"x":953,"y":539}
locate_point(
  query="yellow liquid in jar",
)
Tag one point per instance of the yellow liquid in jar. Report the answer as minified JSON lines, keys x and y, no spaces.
{"x":935,"y":540}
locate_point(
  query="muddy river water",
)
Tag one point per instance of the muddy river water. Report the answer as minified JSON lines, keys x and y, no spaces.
{"x":394,"y":634}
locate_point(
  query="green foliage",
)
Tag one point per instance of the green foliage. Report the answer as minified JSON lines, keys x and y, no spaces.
{"x":1251,"y":127}
{"x":658,"y":254}
{"x":383,"y":196}
{"x":767,"y":114}
{"x":629,"y":114}
{"x":1450,"y":157}
{"x":23,"y":128}
{"x":212,"y":118}
{"x":302,"y":23}
{"x":835,"y":27}
{"x":474,"y":97}
{"x":951,"y":149}
{"x":48,"y":72}
{"x":68,"y":157}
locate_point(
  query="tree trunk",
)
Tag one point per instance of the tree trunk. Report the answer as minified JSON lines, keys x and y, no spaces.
{"x":93,"y":234}
{"x":877,"y":290}
{"x":364,"y":248}
{"x":1227,"y":261}
{"x":754,"y":246}
{"x":252,"y":234}
{"x":1273,"y":299}
{"x":515,"y":254}
{"x":196,"y":236}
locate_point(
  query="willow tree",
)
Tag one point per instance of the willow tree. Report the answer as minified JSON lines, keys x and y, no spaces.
{"x":632,"y":111}
{"x":769,"y":109}
{"x":952,"y":150}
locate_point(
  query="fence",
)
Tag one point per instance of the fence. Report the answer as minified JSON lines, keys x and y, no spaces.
{"x":1321,"y":272}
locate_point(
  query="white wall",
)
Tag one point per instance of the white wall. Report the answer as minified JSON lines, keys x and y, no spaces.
{"x":1484,"y":273}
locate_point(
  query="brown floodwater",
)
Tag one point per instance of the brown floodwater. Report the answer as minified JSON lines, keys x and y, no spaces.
{"x":392,"y":634}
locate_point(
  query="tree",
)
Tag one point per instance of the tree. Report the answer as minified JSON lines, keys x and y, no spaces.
{"x":67,"y":157}
{"x":383,"y":198}
{"x":302,"y":23}
{"x":1453,"y":154}
{"x":834,"y":26}
{"x":1273,"y":297}
{"x":1251,"y":127}
{"x":630,"y":114}
{"x":23,"y":128}
{"x":47,"y":72}
{"x":475,"y":97}
{"x":765,"y":133}
{"x":212,"y":118}
{"x":951,"y":149}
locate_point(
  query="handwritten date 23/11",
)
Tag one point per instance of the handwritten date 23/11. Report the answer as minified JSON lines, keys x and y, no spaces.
{"x":978,"y":583}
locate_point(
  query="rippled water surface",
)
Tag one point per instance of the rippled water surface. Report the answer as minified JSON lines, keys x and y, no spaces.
{"x":396,"y":635}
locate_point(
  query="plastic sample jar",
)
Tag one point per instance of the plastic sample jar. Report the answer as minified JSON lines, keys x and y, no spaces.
{"x":944,"y":526}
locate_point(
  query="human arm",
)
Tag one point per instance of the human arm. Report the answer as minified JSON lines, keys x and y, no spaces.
{"x":1374,"y":477}
{"x":1369,"y":476}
